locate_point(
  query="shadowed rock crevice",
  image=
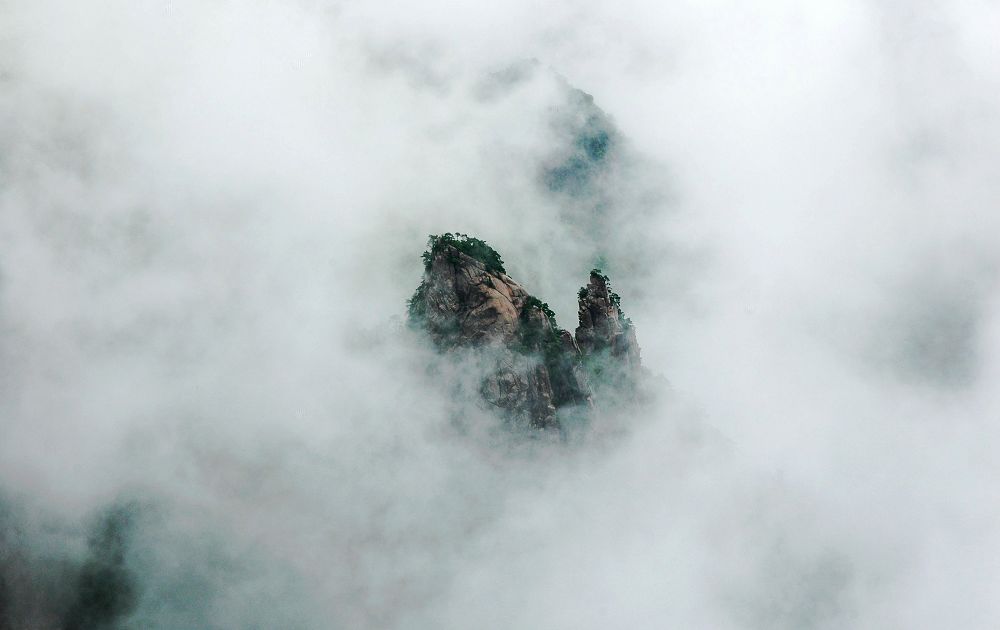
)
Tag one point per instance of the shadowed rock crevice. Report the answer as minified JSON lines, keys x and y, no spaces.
{"x":534,"y":369}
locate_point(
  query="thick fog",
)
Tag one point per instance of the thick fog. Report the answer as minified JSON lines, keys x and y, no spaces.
{"x":211,"y":218}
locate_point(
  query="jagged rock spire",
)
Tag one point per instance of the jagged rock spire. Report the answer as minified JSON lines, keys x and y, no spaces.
{"x":603,"y":326}
{"x":467,"y":302}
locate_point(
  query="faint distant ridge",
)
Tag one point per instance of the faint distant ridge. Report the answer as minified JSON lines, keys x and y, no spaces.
{"x":535,"y":374}
{"x":592,"y":143}
{"x":606,"y":197}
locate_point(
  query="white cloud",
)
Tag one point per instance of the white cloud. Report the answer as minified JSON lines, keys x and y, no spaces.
{"x":211,"y":213}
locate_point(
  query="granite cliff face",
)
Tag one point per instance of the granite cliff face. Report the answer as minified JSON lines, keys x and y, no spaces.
{"x":603,"y":327}
{"x":533,"y":369}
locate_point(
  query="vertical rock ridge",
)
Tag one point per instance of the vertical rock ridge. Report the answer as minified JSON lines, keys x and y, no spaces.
{"x":534,"y":369}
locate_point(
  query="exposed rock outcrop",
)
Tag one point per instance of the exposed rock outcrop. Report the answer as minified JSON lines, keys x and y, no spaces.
{"x":464,"y":303}
{"x":533,"y":369}
{"x":603,"y":326}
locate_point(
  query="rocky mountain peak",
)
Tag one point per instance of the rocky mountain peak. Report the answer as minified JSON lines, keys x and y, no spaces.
{"x":534,"y":370}
{"x":603,"y":325}
{"x":463,"y":301}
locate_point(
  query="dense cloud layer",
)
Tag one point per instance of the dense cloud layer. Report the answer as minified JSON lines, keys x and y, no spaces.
{"x":211,"y":215}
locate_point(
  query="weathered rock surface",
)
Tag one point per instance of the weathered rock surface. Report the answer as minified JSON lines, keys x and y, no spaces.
{"x":465,"y":304}
{"x":533,"y":368}
{"x":602,"y":325}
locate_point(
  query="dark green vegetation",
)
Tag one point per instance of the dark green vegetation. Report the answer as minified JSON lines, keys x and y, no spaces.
{"x":533,"y":302}
{"x":416,"y":306}
{"x":105,"y":589}
{"x":5,"y":552}
{"x":616,"y":299}
{"x":534,"y":336}
{"x":44,"y":585}
{"x":547,"y":344}
{"x":470,"y":246}
{"x":593,"y":141}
